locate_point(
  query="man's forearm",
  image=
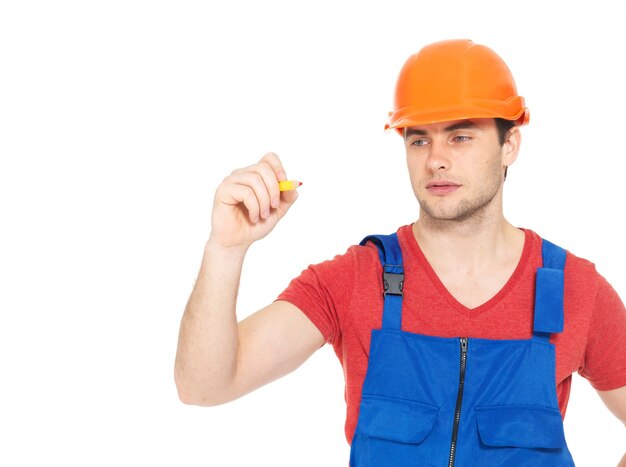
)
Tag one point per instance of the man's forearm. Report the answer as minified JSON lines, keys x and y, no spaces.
{"x":206,"y":360}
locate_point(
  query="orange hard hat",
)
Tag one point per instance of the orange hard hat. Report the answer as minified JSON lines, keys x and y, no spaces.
{"x":455,"y":80}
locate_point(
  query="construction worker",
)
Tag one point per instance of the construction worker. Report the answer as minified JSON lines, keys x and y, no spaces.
{"x":459,"y":333}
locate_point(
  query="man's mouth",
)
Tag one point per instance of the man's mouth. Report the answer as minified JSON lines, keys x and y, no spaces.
{"x":442,"y":187}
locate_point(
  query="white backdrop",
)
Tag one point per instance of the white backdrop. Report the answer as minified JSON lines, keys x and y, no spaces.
{"x":117,"y":121}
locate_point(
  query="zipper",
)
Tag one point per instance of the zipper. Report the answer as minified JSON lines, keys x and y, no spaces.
{"x":459,"y":401}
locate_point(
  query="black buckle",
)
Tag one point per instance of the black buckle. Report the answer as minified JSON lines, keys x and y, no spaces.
{"x":393,"y":283}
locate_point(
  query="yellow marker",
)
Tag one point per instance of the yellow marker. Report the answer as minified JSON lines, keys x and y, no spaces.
{"x":288,"y":185}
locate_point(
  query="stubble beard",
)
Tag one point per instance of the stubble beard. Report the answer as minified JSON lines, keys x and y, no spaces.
{"x":473,"y":208}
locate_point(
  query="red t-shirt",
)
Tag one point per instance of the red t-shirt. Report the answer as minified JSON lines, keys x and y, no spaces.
{"x":344,"y":299}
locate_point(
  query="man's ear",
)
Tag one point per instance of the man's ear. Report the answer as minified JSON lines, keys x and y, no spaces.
{"x":511,"y":146}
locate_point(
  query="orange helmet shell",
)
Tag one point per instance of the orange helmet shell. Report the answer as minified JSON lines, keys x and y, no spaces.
{"x":455,"y":80}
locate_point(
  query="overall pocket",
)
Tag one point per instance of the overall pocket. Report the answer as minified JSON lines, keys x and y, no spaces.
{"x":521,"y":426}
{"x":390,"y":432}
{"x":521,"y":435}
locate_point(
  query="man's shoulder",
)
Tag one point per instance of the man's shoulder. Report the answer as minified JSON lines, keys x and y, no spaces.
{"x":362,"y":254}
{"x":575,"y":265}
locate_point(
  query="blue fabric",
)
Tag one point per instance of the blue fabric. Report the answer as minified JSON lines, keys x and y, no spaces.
{"x":553,"y":255}
{"x":391,"y":259}
{"x":549,"y":290}
{"x":509,"y":414}
{"x":388,"y":248}
{"x":400,"y":416}
{"x":523,"y":426}
{"x":393,"y":318}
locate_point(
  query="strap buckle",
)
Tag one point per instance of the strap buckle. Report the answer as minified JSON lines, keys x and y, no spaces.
{"x":393,"y":280}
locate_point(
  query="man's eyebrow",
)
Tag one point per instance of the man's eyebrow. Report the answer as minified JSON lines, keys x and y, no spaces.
{"x":413,"y":131}
{"x":465,"y":124}
{"x":461,"y":125}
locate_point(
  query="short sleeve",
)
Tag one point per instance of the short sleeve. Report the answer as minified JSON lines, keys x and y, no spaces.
{"x":323,"y":292}
{"x":605,"y":361}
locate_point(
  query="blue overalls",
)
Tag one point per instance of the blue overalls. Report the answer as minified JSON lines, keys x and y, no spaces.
{"x":434,"y":401}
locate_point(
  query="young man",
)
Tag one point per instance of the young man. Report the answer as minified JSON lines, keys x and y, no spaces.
{"x":458,"y":334}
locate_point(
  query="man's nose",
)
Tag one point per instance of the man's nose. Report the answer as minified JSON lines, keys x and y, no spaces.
{"x":438,"y":156}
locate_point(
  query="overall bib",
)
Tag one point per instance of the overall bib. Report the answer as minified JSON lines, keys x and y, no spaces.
{"x":434,"y":401}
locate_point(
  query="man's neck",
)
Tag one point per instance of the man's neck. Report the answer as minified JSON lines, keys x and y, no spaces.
{"x":475,"y":244}
{"x":473,"y":264}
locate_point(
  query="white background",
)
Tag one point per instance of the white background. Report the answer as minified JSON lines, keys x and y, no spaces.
{"x":117,"y":121}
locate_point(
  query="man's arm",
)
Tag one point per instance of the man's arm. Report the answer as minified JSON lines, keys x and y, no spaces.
{"x":615,"y":400}
{"x":219,"y":359}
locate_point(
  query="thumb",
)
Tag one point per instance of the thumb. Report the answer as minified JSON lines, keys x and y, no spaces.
{"x":287,"y":198}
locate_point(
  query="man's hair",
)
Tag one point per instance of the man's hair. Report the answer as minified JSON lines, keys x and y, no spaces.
{"x":503,"y":127}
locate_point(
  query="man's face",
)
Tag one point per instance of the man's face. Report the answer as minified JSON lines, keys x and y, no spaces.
{"x":457,"y":167}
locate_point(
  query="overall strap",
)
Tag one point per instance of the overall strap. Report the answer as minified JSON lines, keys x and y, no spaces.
{"x":393,"y":277}
{"x":549,"y":292}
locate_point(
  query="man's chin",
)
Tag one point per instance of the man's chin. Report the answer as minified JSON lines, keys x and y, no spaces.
{"x":448,"y":214}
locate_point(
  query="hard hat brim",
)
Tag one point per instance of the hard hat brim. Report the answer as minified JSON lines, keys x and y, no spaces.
{"x":407,"y":117}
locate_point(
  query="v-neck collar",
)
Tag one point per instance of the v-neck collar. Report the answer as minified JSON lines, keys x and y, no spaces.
{"x":417,"y":253}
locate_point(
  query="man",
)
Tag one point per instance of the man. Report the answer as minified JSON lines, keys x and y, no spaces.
{"x":458,"y":334}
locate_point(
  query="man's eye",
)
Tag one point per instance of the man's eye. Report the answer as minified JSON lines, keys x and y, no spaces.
{"x":419,"y":142}
{"x":462,"y":138}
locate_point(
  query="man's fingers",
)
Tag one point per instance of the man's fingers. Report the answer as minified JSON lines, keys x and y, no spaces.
{"x":234,"y":194}
{"x":267,"y":172}
{"x":256,"y":187}
{"x":258,"y":181}
{"x":275,"y":163}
